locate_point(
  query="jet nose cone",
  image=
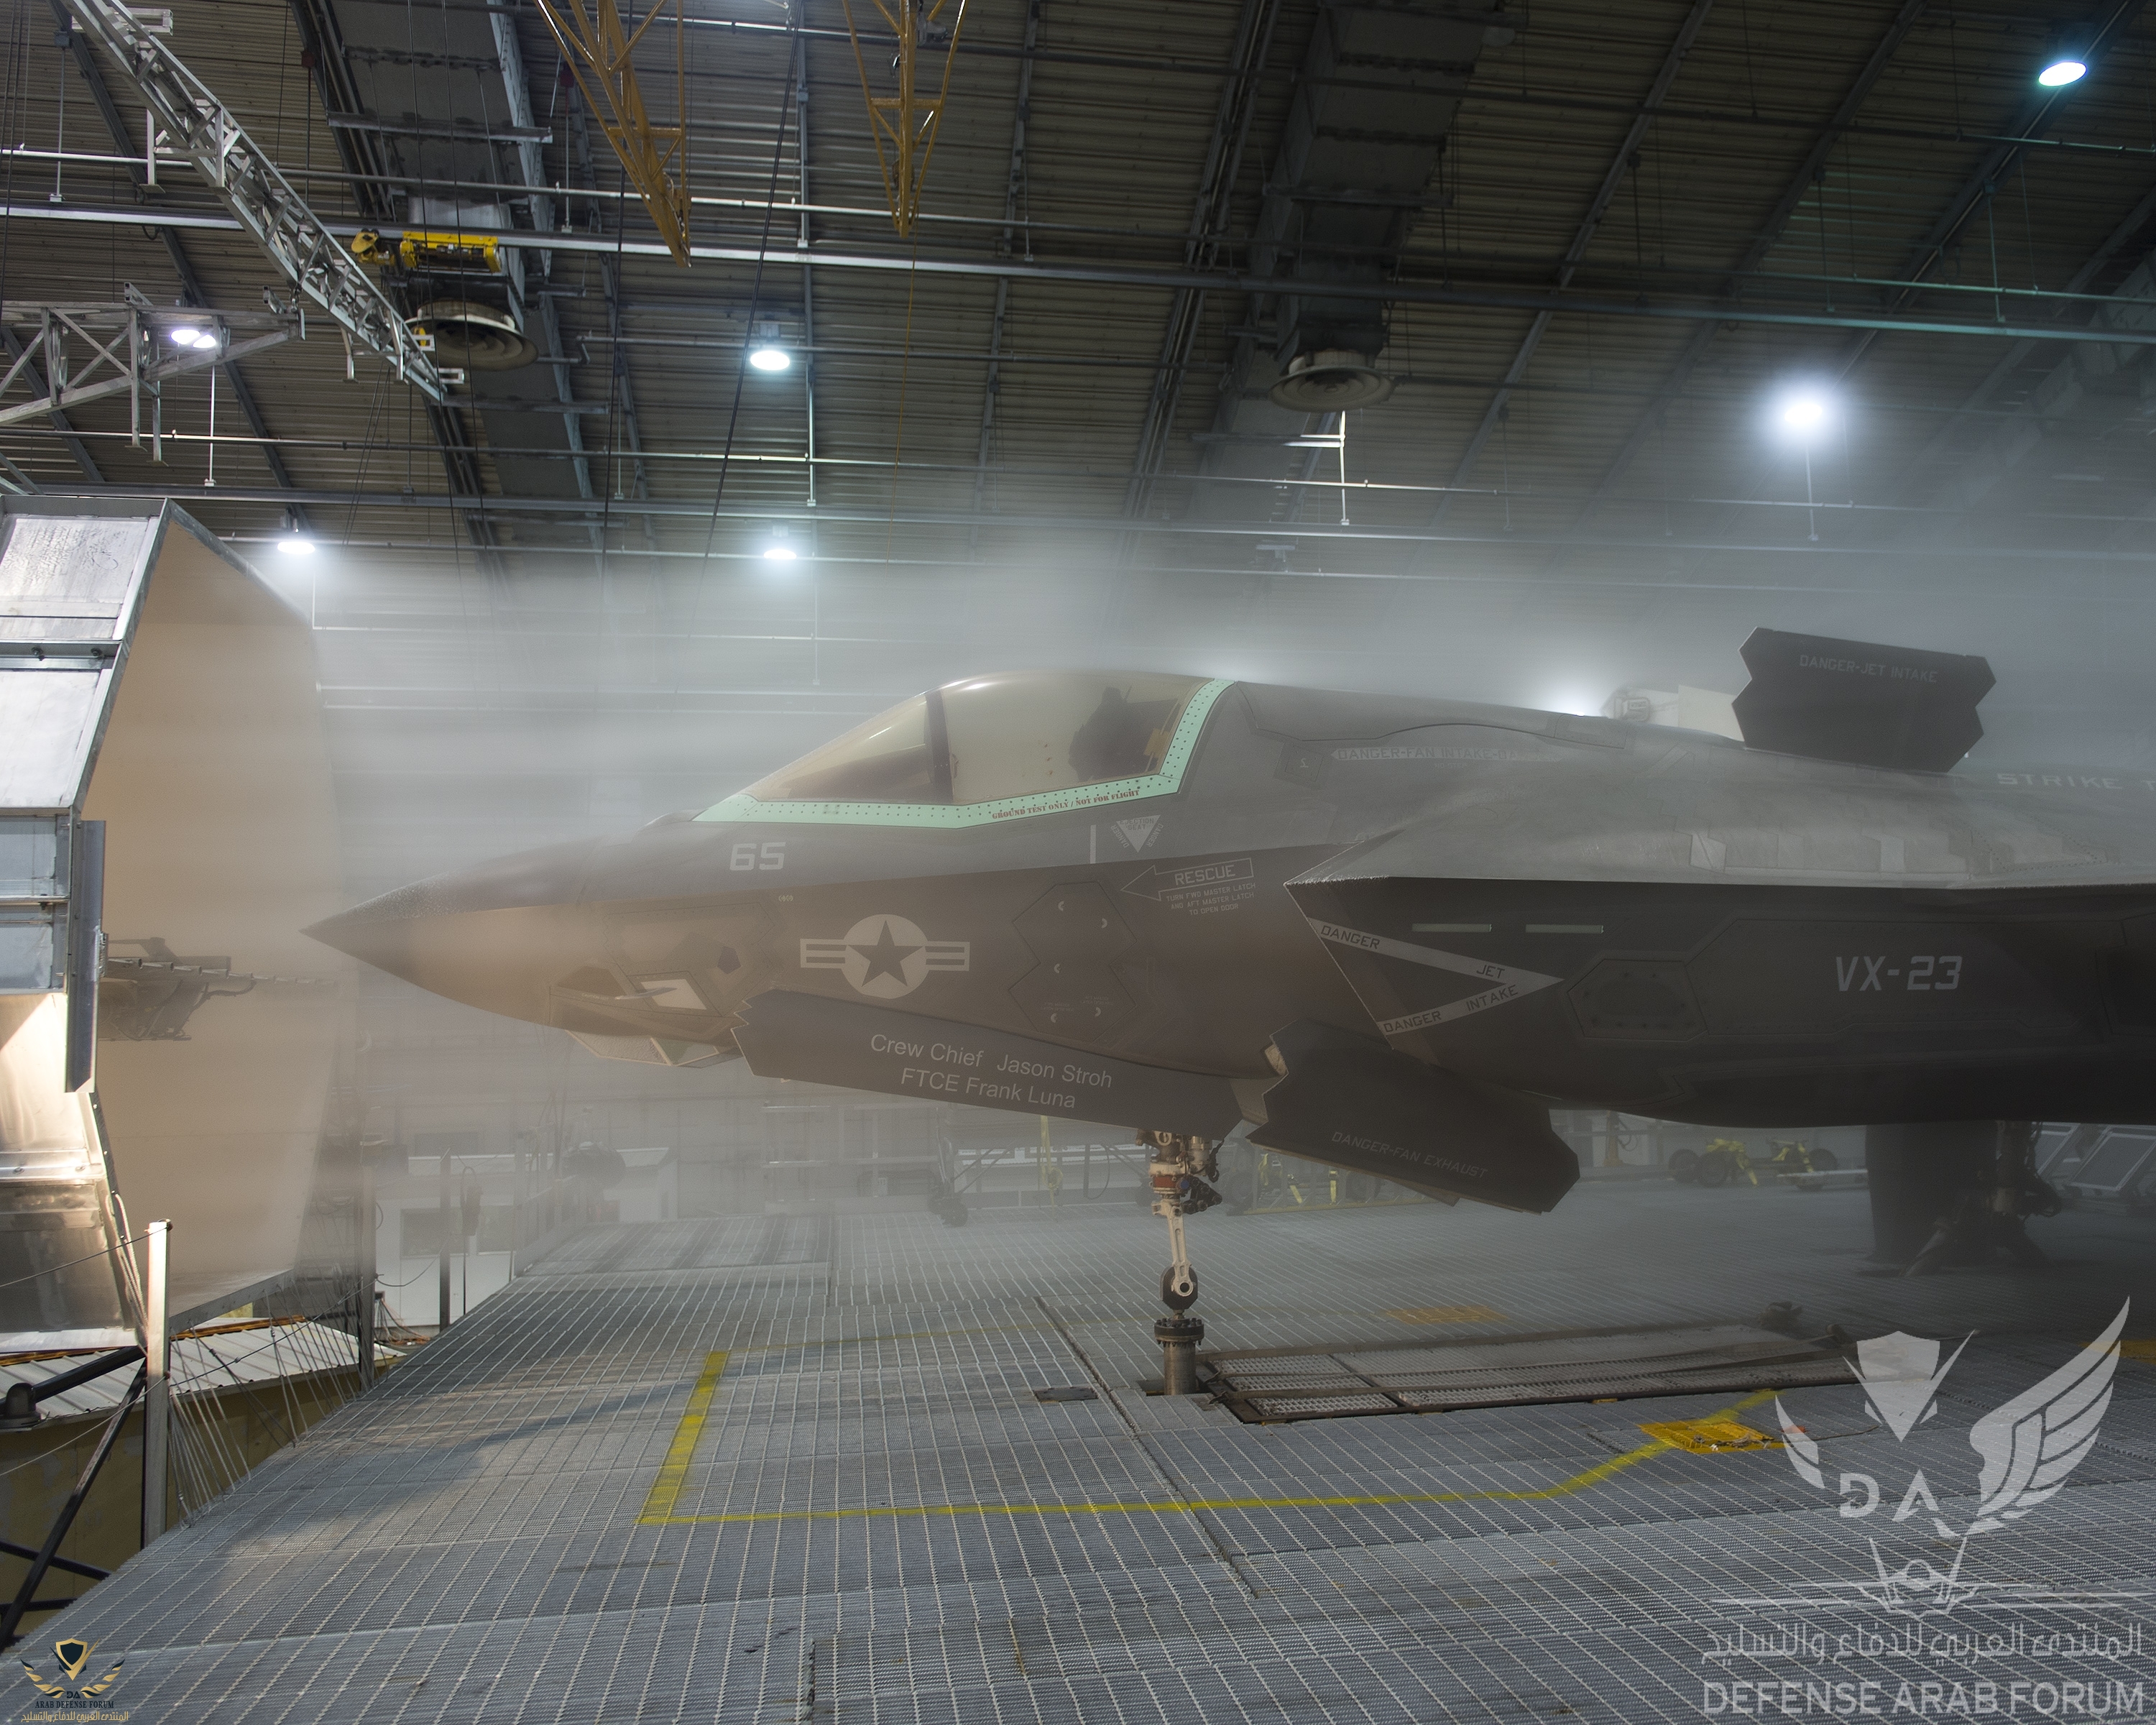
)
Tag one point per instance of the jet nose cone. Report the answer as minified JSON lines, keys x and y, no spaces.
{"x":489,"y":935}
{"x":373,"y":932}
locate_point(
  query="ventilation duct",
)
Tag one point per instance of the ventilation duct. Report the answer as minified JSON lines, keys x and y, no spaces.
{"x":1330,"y":382}
{"x":475,"y":336}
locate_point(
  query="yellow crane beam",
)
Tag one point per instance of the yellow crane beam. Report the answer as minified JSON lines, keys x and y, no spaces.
{"x":904,"y":127}
{"x":598,"y":48}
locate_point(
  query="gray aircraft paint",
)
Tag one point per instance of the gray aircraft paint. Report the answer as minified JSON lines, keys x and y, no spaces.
{"x":1567,"y":911}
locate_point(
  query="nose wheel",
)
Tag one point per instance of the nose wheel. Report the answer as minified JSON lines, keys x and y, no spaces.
{"x":1180,"y":1168}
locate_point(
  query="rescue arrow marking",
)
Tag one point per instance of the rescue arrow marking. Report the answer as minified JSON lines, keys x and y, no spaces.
{"x":1187,"y":877}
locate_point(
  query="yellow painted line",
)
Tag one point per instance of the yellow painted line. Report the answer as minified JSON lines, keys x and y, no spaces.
{"x":673,"y":1472}
{"x":896,"y":1336}
{"x":685,"y":1445}
{"x":1711,"y":1437}
{"x":1446,"y":1315}
{"x":2139,"y":1347}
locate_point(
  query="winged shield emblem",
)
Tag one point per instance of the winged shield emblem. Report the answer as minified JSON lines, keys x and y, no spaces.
{"x":2030,"y":1446}
{"x":73,"y":1655}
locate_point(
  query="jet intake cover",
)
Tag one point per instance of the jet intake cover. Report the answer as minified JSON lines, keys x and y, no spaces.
{"x":1898,"y":707}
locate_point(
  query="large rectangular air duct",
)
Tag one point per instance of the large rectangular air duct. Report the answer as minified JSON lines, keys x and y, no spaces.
{"x":165,"y":830}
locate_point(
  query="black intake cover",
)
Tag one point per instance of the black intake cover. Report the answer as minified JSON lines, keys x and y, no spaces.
{"x":1852,"y":700}
{"x":1353,"y":1103}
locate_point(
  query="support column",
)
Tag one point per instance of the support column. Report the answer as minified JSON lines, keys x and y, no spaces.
{"x":1918,"y":1175}
{"x":156,"y":1396}
{"x":442,"y":1238}
{"x":363,"y":1331}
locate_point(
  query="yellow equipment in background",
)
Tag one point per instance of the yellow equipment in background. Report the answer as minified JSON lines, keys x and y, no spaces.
{"x":418,"y":250}
{"x":1725,"y":1161}
{"x":1288,"y":1183}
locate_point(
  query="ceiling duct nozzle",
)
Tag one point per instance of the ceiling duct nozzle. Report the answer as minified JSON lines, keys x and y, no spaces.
{"x":479,"y":337}
{"x":1329,"y":381}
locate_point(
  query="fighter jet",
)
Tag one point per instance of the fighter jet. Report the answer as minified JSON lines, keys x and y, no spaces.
{"x":1389,"y":934}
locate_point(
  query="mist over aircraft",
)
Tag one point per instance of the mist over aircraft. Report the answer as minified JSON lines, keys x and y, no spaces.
{"x":1388,"y":934}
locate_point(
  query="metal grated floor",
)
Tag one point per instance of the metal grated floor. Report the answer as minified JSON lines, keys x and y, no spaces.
{"x":794,"y":1469}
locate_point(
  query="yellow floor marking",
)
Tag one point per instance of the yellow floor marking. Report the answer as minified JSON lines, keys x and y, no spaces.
{"x":2141,"y":1348}
{"x":1446,"y":1315}
{"x":896,"y":1336}
{"x":673,"y":1472}
{"x":1714,"y":1436}
{"x":666,"y":1490}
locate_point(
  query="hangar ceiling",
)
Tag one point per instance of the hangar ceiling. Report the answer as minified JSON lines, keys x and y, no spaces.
{"x":1588,"y":246}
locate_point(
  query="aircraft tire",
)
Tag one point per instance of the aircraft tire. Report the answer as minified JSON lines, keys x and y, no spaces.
{"x":1715,"y":1168}
{"x":1684,"y":1166}
{"x":1824,"y":1162}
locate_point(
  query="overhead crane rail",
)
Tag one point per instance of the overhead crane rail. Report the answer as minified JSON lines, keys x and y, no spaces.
{"x":904,"y":127}
{"x":599,"y":52}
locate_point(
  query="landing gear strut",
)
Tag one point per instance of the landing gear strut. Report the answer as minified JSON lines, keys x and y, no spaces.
{"x":1955,"y":1193}
{"x":1181,"y":1166}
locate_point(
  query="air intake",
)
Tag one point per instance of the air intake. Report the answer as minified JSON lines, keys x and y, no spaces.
{"x":477,"y":337}
{"x":1329,"y":381}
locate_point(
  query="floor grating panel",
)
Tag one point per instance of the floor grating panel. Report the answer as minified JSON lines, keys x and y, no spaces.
{"x":799,"y":1468}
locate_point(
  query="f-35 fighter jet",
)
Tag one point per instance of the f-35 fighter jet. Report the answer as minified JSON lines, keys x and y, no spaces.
{"x":1390,"y":933}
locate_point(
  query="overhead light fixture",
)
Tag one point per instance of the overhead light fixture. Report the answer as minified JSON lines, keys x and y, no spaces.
{"x":779,"y":549}
{"x":188,"y":335}
{"x":2063,"y":69}
{"x":765,"y":353}
{"x":294,"y":542}
{"x":1802,"y":413}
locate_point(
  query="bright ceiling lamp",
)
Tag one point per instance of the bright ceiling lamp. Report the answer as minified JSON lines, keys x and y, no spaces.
{"x":294,"y":542}
{"x":779,"y":549}
{"x":765,"y":353}
{"x":2064,"y":68}
{"x":188,"y":335}
{"x":1802,"y":413}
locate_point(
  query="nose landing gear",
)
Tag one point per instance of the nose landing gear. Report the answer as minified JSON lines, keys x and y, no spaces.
{"x":1180,"y":1167}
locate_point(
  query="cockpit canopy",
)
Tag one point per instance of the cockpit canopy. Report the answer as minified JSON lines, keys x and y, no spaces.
{"x":986,"y":738}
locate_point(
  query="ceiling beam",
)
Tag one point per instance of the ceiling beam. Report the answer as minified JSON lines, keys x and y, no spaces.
{"x":532,"y":171}
{"x":1014,"y":182}
{"x":2136,"y":220}
{"x":1405,"y":292}
{"x":688,"y":509}
{"x":1209,"y":216}
{"x":1769,"y":236}
{"x":324,"y":38}
{"x":61,"y":422}
{"x":1624,"y":162}
{"x":364,"y":155}
{"x":123,"y":142}
{"x":1976,"y":192}
{"x":803,"y":240}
